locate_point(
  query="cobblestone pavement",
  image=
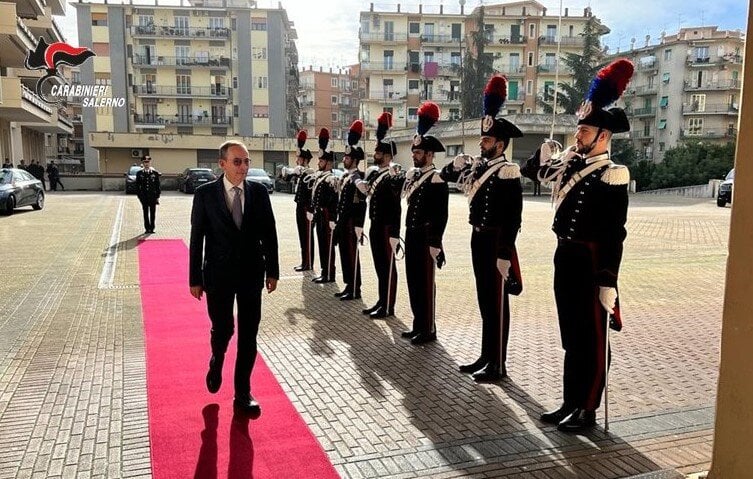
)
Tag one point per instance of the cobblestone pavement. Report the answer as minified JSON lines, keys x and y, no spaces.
{"x":72,"y":385}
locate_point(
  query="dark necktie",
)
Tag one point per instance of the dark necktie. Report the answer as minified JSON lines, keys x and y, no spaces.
{"x":237,"y":209}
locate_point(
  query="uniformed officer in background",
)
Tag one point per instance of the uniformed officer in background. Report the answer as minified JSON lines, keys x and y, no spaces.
{"x":301,"y":176}
{"x":324,"y":208}
{"x":148,"y":191}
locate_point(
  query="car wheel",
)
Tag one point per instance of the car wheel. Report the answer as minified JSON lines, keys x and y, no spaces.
{"x":721,"y":202}
{"x":39,"y":204}
{"x":10,"y":205}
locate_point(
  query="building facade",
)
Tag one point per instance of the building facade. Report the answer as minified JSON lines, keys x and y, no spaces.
{"x":210,"y":69}
{"x":329,"y":99}
{"x":30,"y":128}
{"x":685,"y":88}
{"x":410,"y":57}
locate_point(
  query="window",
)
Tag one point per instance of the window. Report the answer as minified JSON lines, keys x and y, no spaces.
{"x":531,"y":30}
{"x":412,"y":84}
{"x":455,"y":58}
{"x":389,"y":57}
{"x":260,"y":83}
{"x":551,"y":33}
{"x":529,"y":87}
{"x":334,"y":117}
{"x":412,"y":114}
{"x":235,"y":82}
{"x":260,"y":111}
{"x":698,"y":102}
{"x":664,"y":102}
{"x":512,"y":90}
{"x":365,"y":24}
{"x":334,"y":99}
{"x":183,"y":84}
{"x":259,"y":53}
{"x":548,"y":90}
{"x":453,"y":150}
{"x":550,"y":62}
{"x":333,"y":82}
{"x":429,"y":32}
{"x":102,"y":79}
{"x":662,"y":124}
{"x":665,"y":77}
{"x":514,"y":62}
{"x":99,"y":19}
{"x":414,"y":28}
{"x":661,"y":146}
{"x":428,"y":57}
{"x":530,"y":59}
{"x":146,"y":21}
{"x":647,"y":128}
{"x":387,"y":109}
{"x":181,"y":25}
{"x":667,"y":54}
{"x":389,"y":31}
{"x":182,"y":55}
{"x":216,"y":23}
{"x":259,"y":24}
{"x":695,"y":126}
{"x":702,"y":54}
{"x":454,"y":113}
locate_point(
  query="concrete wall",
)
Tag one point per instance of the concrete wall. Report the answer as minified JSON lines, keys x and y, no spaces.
{"x":697,"y":191}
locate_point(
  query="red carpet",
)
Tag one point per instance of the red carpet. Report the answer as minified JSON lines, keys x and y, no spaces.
{"x":194,"y":433}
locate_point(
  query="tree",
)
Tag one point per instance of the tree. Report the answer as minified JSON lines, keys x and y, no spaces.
{"x":584,"y":68}
{"x":687,"y":164}
{"x":477,"y":68}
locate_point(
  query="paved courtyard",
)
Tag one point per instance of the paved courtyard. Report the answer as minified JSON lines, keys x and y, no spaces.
{"x":72,"y":370}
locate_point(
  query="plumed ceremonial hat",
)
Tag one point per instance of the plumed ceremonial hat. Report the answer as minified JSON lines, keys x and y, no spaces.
{"x":606,"y":88}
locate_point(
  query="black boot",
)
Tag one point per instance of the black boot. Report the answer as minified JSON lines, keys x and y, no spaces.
{"x":579,"y":420}
{"x":371,"y":309}
{"x":556,"y":416}
{"x":489,"y":373}
{"x":473,"y":367}
{"x":214,"y":376}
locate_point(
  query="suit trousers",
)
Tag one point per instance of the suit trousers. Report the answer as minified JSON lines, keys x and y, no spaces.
{"x":350,"y":263}
{"x":493,"y":303}
{"x":150,"y":210}
{"x":305,"y":236}
{"x":220,"y":309}
{"x":420,"y":272}
{"x":326,"y":244}
{"x":582,"y":322}
{"x":384,"y":261}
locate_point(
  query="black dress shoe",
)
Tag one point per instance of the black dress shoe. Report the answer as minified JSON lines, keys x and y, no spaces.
{"x":579,"y":420}
{"x":556,"y":416}
{"x":247,"y":405}
{"x":350,"y":296}
{"x":301,"y":268}
{"x":313,"y":280}
{"x":381,"y":313}
{"x":473,"y":367}
{"x":341,"y":293}
{"x":214,"y":376}
{"x":489,"y":373}
{"x":408,"y":334}
{"x":371,"y":309}
{"x":423,"y":338}
{"x":322,"y":280}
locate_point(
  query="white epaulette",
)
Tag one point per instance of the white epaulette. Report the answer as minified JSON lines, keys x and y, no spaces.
{"x":437,"y":178}
{"x":509,"y":171}
{"x":616,"y":175}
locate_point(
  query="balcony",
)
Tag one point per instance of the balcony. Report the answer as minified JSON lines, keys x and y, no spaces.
{"x":383,"y":37}
{"x":575,"y":41}
{"x":551,"y":69}
{"x":19,"y":103}
{"x":386,"y":66}
{"x":202,"y":61}
{"x":387,"y":96}
{"x":647,"y":64}
{"x":440,"y":40}
{"x":648,"y":111}
{"x":692,"y":84}
{"x":514,"y":69}
{"x":710,"y":109}
{"x":45,"y":27}
{"x":33,"y":8}
{"x":442,"y":97}
{"x":152,"y":31}
{"x":700,"y":133}
{"x":707,"y":61}
{"x":214,"y":91}
{"x":506,"y":40}
{"x":645,"y":90}
{"x":181,"y":120}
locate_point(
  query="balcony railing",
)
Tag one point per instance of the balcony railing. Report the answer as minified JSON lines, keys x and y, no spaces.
{"x":441,"y":97}
{"x":692,"y":84}
{"x":397,"y":67}
{"x":714,"y":108}
{"x":564,"y":41}
{"x":442,"y":39}
{"x":386,"y":95}
{"x":32,"y":98}
{"x":26,"y":32}
{"x":647,"y":64}
{"x":183,"y":120}
{"x":645,"y":90}
{"x":202,"y":61}
{"x":383,"y":37}
{"x":506,"y":39}
{"x":180,"y":32}
{"x":702,"y":133}
{"x":648,"y":111}
{"x":180,"y":91}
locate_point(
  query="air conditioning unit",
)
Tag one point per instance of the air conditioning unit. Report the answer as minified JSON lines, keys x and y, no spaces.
{"x":136,"y":153}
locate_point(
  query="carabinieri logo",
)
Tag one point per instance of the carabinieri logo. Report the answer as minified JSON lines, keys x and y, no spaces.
{"x":49,"y":58}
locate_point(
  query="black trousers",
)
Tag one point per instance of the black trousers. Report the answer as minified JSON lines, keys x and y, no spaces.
{"x":220,"y":308}
{"x":305,"y":236}
{"x":326,"y":244}
{"x":493,"y":304}
{"x":350,"y":263}
{"x":420,"y":274}
{"x":54,"y":182}
{"x":150,"y":210}
{"x":582,"y":322}
{"x":384,"y":261}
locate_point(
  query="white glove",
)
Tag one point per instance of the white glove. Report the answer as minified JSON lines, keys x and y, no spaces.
{"x":548,"y":149}
{"x":362,"y":186}
{"x":395,"y":169}
{"x":394,"y":242}
{"x":359,"y":232}
{"x":460,"y":161}
{"x":298,"y":170}
{"x":503,"y":265}
{"x":434,"y":252}
{"x":332,"y":225}
{"x":608,"y":298}
{"x":310,"y":216}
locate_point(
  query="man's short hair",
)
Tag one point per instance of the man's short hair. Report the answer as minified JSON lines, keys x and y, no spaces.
{"x":226,"y":146}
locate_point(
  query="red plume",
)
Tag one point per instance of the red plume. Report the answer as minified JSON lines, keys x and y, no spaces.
{"x":302,"y":136}
{"x":428,"y":114}
{"x":323,"y":138}
{"x":385,"y":119}
{"x":619,"y":73}
{"x":357,"y":127}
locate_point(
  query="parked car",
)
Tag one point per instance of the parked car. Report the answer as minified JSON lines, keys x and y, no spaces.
{"x":260,"y":176}
{"x":19,"y":188}
{"x":130,"y":179}
{"x":190,"y":178}
{"x":725,"y":190}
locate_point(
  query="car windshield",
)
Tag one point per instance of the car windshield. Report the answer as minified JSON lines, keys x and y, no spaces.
{"x":731,"y":174}
{"x":133,"y":170}
{"x":202,"y":174}
{"x":257,"y":172}
{"x":5,"y":177}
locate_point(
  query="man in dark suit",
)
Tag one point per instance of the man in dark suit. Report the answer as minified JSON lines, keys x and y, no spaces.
{"x":148,"y":191}
{"x":233,"y":253}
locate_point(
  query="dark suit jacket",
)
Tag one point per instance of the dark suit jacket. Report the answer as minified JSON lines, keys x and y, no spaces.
{"x":221,"y":255}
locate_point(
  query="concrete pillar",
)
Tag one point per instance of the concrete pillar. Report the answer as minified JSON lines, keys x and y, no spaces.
{"x":733,"y":431}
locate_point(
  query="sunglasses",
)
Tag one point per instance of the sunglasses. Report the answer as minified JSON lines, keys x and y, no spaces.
{"x":239,"y":161}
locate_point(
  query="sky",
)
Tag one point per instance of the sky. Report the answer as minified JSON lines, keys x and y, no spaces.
{"x":328,"y":30}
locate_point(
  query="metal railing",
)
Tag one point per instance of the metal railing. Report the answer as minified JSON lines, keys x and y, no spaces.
{"x":506,"y":39}
{"x":202,"y":61}
{"x":180,"y":32}
{"x":181,"y":120}
{"x":564,"y":41}
{"x":713,"y":108}
{"x":385,"y":66}
{"x":190,"y":91}
{"x":34,"y":99}
{"x":443,"y":39}
{"x":644,"y":111}
{"x":383,"y":37}
{"x":692,"y":84}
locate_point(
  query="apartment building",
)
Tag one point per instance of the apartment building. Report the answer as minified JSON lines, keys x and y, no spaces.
{"x":30,"y":128}
{"x":191,"y":75}
{"x":409,"y":57}
{"x":329,"y":99}
{"x":685,"y":88}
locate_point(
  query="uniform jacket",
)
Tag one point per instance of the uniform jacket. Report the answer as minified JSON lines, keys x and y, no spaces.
{"x":148,"y":184}
{"x":221,"y":255}
{"x":351,"y":204}
{"x":497,"y":202}
{"x":324,"y":194}
{"x":384,"y":205}
{"x":303,"y":190}
{"x":427,"y":195}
